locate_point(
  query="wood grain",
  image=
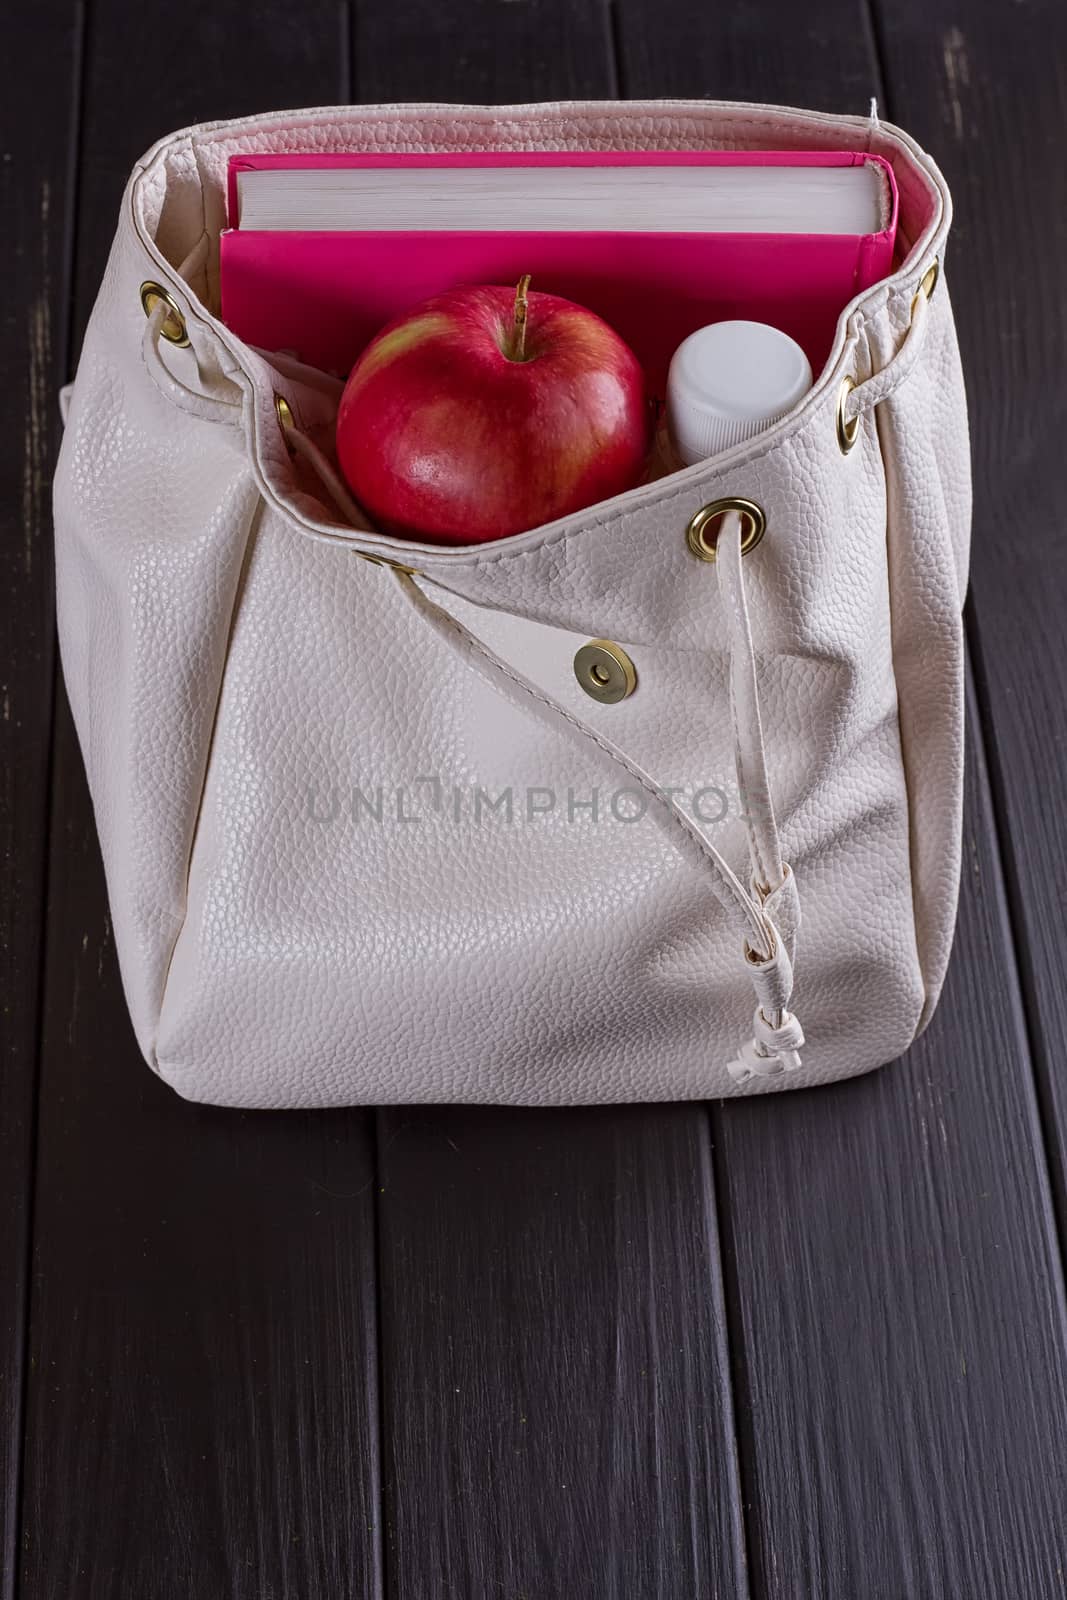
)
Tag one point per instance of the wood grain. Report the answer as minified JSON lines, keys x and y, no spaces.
{"x":35,"y":205}
{"x":202,"y":1415}
{"x":903,"y":1334}
{"x":761,"y":50}
{"x":483,"y":51}
{"x":203,"y":1407}
{"x":557,"y":1414}
{"x":570,"y":1401}
{"x":893,"y":1278}
{"x":557,"y":1408}
{"x":988,"y":94}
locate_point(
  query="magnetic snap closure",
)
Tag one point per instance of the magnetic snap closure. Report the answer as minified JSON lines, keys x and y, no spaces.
{"x":703,"y":531}
{"x":173,"y":325}
{"x":605,"y":671}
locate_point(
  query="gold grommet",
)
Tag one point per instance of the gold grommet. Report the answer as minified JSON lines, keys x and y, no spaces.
{"x":928,"y":283}
{"x":847,"y":430}
{"x":284,"y":412}
{"x":605,"y":671}
{"x":173,"y":325}
{"x":384,"y":561}
{"x":702,"y":533}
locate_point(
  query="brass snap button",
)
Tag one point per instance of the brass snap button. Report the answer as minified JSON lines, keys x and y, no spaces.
{"x":605,"y":671}
{"x":173,"y":325}
{"x":703,"y":530}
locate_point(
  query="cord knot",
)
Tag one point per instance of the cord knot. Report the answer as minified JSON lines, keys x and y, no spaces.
{"x":774,"y":1048}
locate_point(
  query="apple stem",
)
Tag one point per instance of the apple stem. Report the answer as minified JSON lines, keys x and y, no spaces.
{"x":522,"y":306}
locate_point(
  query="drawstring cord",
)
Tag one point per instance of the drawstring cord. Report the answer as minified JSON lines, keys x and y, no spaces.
{"x":865,"y":396}
{"x":769,"y":906}
{"x":777,"y":1037}
{"x":327,"y":473}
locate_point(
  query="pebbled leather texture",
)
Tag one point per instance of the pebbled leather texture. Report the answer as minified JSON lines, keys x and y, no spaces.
{"x":318,"y":894}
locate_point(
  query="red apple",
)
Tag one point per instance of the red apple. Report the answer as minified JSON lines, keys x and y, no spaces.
{"x":486,"y":411}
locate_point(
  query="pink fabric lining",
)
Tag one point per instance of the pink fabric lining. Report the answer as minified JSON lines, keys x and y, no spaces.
{"x":325,"y":295}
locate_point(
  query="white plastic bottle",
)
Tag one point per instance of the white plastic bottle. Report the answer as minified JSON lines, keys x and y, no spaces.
{"x":727,"y":382}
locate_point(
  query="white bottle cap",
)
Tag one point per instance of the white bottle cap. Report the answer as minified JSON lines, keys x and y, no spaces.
{"x":729,"y":381}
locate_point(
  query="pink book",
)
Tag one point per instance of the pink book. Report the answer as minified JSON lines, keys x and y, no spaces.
{"x":657,"y":253}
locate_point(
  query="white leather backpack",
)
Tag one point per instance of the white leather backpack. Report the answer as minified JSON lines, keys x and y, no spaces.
{"x":659,"y":801}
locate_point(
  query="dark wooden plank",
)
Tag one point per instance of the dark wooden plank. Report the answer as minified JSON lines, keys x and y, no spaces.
{"x":557,"y":1416}
{"x":556,"y":1386}
{"x":37,"y":159}
{"x":203,"y":1407}
{"x":902,"y":1326}
{"x":982,"y":91}
{"x":894,"y":1282}
{"x":482,"y":51}
{"x":819,"y":57}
